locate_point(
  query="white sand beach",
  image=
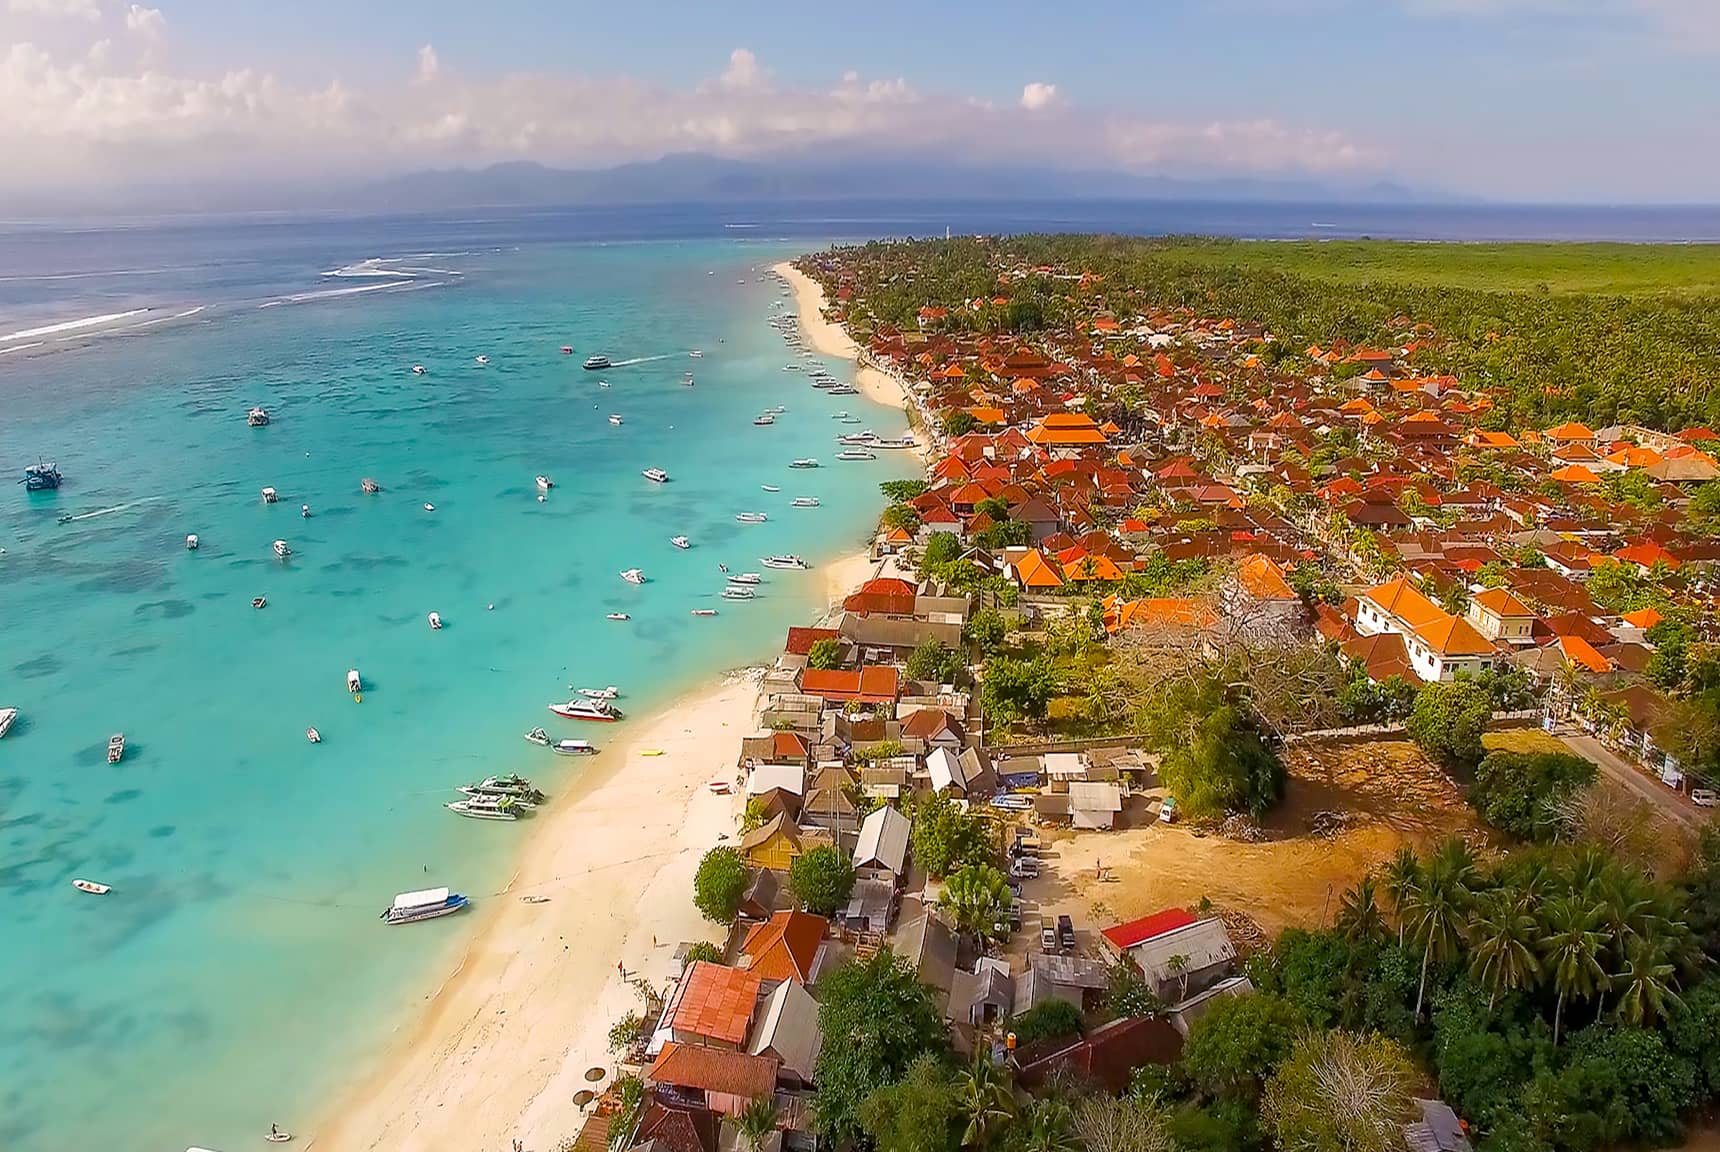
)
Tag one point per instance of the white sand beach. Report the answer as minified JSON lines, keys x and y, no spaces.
{"x":831,"y":339}
{"x":499,"y":1050}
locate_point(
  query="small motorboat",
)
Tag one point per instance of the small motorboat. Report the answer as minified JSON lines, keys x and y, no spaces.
{"x":116,"y":747}
{"x":567,"y":349}
{"x":615,"y":419}
{"x":746,"y":578}
{"x":91,"y":887}
{"x":191,"y":542}
{"x":486,"y":808}
{"x":776,"y":410}
{"x":618,"y":616}
{"x":419,"y":370}
{"x":538,"y":736}
{"x":804,"y":502}
{"x":8,"y":716}
{"x":425,"y":905}
{"x":806,"y":463}
{"x":609,"y":693}
{"x":305,"y":511}
{"x":656,"y":475}
{"x":353,"y":683}
{"x":40,"y":477}
{"x":788,"y":561}
{"x":435,"y":621}
{"x":738,"y":592}
{"x":429,"y":507}
{"x":282,"y":550}
{"x":574,"y":748}
{"x":369,"y":486}
{"x":751,"y":517}
{"x":695,"y":353}
{"x":842,"y":415}
{"x":257,"y":417}
{"x":680,"y":542}
{"x":601,"y":384}
{"x":259,"y":601}
{"x":480,"y":361}
{"x":704,"y":612}
{"x":601,"y":711}
{"x":313,"y":735}
{"x":856,"y":454}
{"x":721,"y":786}
{"x":597,"y":363}
{"x":270,"y":496}
{"x":764,"y":420}
{"x":687,"y":380}
{"x":633,"y":576}
{"x":770,"y":487}
{"x":544,"y":483}
{"x":279,"y":1136}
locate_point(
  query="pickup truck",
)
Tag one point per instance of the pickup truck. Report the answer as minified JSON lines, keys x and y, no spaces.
{"x":1047,"y":938}
{"x":1024,"y":868}
{"x":1066,"y":932}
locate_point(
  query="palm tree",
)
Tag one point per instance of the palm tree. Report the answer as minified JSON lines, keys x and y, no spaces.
{"x":1050,"y":1128}
{"x":985,"y":1100}
{"x":1648,"y":984}
{"x":1359,"y":917}
{"x":1503,"y":938}
{"x":1572,"y":947}
{"x":1178,"y":966}
{"x":1437,"y":911}
{"x":757,"y":1122}
{"x":1403,"y":884}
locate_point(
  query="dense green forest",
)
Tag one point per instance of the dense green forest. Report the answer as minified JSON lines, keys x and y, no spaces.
{"x":1600,"y":333}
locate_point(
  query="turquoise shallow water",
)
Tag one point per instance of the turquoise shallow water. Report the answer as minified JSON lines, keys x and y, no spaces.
{"x":238,"y":971}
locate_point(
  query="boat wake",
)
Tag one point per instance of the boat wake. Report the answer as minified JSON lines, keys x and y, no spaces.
{"x":330,"y":293}
{"x":109,"y":511}
{"x":392,"y":266}
{"x":637,"y":360}
{"x":71,"y":325}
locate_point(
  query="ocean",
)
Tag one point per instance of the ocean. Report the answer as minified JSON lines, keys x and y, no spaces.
{"x":237,"y":974}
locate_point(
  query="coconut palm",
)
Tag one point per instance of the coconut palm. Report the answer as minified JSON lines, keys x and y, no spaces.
{"x":1359,"y":917}
{"x":1647,"y":984}
{"x":1503,"y":938}
{"x":1050,"y":1128}
{"x":985,"y":1100}
{"x":1438,"y":909}
{"x":757,"y":1122}
{"x":1403,"y":882}
{"x":1571,"y":948}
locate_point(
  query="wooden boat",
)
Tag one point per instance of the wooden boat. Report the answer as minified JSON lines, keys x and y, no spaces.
{"x":91,"y":887}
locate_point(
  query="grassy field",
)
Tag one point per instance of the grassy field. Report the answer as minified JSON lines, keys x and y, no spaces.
{"x":1522,"y":740}
{"x":1607,"y":269}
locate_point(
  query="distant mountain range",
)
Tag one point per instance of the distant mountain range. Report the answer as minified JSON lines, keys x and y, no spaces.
{"x":694,"y":177}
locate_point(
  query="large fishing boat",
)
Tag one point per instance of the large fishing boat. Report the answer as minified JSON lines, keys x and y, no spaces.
{"x":39,"y":477}
{"x":426,"y":904}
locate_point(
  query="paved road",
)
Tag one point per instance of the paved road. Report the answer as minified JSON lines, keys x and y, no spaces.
{"x":1665,"y":801}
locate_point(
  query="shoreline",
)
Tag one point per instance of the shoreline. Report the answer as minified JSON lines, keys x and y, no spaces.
{"x":497,"y":1051}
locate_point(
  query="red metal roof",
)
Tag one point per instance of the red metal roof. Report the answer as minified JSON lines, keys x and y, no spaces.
{"x":1140,"y":931}
{"x":716,"y":1002}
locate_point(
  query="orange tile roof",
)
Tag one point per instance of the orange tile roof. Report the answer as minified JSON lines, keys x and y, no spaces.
{"x":1570,"y":431}
{"x":714,"y":1070}
{"x":1262,"y":579}
{"x":715,"y":1001}
{"x":1643,"y":618}
{"x":1483,"y":439}
{"x":1066,"y":428}
{"x":1575,"y":474}
{"x":873,"y":684}
{"x":1400,"y":598}
{"x":1581,"y":653}
{"x":1454,"y":636}
{"x":1034,"y":571}
{"x":1501,"y":603}
{"x":784,"y":947}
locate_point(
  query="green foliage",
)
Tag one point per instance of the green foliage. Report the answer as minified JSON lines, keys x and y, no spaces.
{"x":944,"y":837}
{"x":1341,"y":1093}
{"x":1049,"y":1019}
{"x":630,"y":1109}
{"x":935,"y":663}
{"x":1360,"y":701}
{"x":1226,"y":767}
{"x":821,"y":878}
{"x":757,"y":1121}
{"x":1314,"y":586}
{"x":1623,"y":588}
{"x":903,"y":516}
{"x":1518,"y":792}
{"x":624,"y":1031}
{"x":1005,"y":534}
{"x":988,"y":629}
{"x":977,"y":896}
{"x":1015,"y":690}
{"x":825,"y":654}
{"x":902,"y":491}
{"x":1160,"y":576}
{"x":920,"y":1113}
{"x":1127,"y":994}
{"x":1237,"y":1043}
{"x":1448,"y":721}
{"x":754,"y":814}
{"x":1672,"y":638}
{"x":704,"y":950}
{"x":882,"y":750}
{"x":959,"y":422}
{"x":1703,"y":511}
{"x":941,"y":549}
{"x":1226,"y":1125}
{"x":886,"y":1019}
{"x":719,"y":884}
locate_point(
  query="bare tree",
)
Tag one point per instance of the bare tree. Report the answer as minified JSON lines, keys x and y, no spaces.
{"x":1107,"y":1124}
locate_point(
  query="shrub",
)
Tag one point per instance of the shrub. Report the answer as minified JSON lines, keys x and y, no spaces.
{"x":821,"y":879}
{"x":1046,"y":1021}
{"x":719,"y":884}
{"x":1518,"y":792}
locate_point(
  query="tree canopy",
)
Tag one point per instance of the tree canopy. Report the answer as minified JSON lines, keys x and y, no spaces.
{"x":877,"y":1019}
{"x":719,"y":884}
{"x":821,"y":878}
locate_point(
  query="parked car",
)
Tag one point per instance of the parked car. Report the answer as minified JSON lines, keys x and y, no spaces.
{"x":1168,"y":810}
{"x":1015,"y":910}
{"x":1704,"y":797}
{"x":1047,"y":938}
{"x":1024,"y":868}
{"x":1066,"y":932}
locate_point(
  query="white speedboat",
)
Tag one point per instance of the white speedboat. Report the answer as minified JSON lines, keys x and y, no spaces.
{"x":789,"y":561}
{"x":704,"y":612}
{"x":544,"y":483}
{"x":282,"y":550}
{"x":419,"y":370}
{"x":480,"y":361}
{"x":116,"y":747}
{"x":91,"y":887}
{"x":864,"y":439}
{"x":313,"y":735}
{"x":574,"y":748}
{"x":8,"y":716}
{"x":695,"y":353}
{"x":305,"y":511}
{"x":353,"y":683}
{"x":486,"y":808}
{"x":856,"y":454}
{"x":764,"y":420}
{"x":751,"y":517}
{"x":191,"y":542}
{"x":615,"y":419}
{"x":257,"y":417}
{"x":737,"y":592}
{"x":618,"y":616}
{"x":656,"y":475}
{"x":806,"y":462}
{"x":804,"y":502}
{"x":680,"y":542}
{"x":369,"y":486}
{"x":770,"y":488}
{"x":842,"y":415}
{"x":597,"y":363}
{"x":601,"y":711}
{"x":538,"y":736}
{"x":609,"y":693}
{"x":633,"y":576}
{"x":426,"y":905}
{"x":270,"y":496}
{"x":435,"y":621}
{"x":745,"y":578}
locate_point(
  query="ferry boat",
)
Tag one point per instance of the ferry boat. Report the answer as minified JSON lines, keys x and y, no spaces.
{"x":680,"y":542}
{"x":856,"y":454}
{"x":615,"y":419}
{"x":751,"y":517}
{"x":8,"y":717}
{"x":656,"y":475}
{"x":633,"y":576}
{"x":804,"y":502}
{"x":116,"y":747}
{"x":601,"y":711}
{"x":257,"y":417}
{"x":842,"y":390}
{"x":507,"y":784}
{"x":789,"y":561}
{"x":867,"y":437}
{"x":544,"y":483}
{"x":486,"y":808}
{"x":746,"y":578}
{"x":597,"y":363}
{"x":737,"y":592}
{"x":806,"y":463}
{"x":427,"y":904}
{"x":91,"y":887}
{"x":39,"y":477}
{"x":281,"y":549}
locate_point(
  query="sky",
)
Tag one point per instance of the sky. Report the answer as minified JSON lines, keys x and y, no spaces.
{"x":1600,"y":101}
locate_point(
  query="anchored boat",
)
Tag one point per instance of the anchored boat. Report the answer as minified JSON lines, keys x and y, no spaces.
{"x":39,"y":477}
{"x":116,"y":747}
{"x":426,"y":904}
{"x":257,"y":417}
{"x":601,"y":711}
{"x":486,"y":808}
{"x":656,"y":475}
{"x":788,"y":561}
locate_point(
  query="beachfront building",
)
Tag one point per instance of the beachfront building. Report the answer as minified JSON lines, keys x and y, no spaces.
{"x":773,"y":844}
{"x":784,"y":948}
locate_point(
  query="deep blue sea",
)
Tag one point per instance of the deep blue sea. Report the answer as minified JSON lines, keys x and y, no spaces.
{"x":238,"y":964}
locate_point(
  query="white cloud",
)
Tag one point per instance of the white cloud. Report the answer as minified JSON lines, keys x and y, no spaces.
{"x":429,"y":64}
{"x":1038,"y":95}
{"x":77,"y":9}
{"x":145,"y":21}
{"x":742,"y":73}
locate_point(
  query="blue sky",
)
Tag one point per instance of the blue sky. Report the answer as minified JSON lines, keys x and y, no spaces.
{"x":1523,"y":99}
